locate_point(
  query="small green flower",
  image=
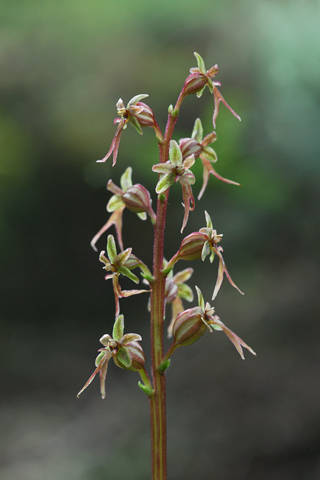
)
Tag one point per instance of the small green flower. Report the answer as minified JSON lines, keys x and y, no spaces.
{"x":176,"y":170}
{"x":191,"y":324}
{"x":125,"y":350}
{"x":201,"y":244}
{"x":199,"y":79}
{"x":199,"y":146}
{"x":138,"y":114}
{"x":121,"y":264}
{"x":134,"y":197}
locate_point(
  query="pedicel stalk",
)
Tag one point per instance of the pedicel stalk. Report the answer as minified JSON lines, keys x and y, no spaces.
{"x":163,"y":286}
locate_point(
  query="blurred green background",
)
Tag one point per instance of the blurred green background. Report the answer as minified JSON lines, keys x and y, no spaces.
{"x":63,"y":67}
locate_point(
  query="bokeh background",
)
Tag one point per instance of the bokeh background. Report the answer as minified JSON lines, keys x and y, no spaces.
{"x":63,"y":67}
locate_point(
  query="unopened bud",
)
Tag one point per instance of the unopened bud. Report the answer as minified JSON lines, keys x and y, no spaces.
{"x":194,"y":83}
{"x":191,"y":246}
{"x":190,"y":146}
{"x":137,"y":199}
{"x":143,"y":114}
{"x":188,"y":327}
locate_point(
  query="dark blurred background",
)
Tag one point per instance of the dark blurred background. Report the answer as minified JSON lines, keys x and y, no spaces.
{"x":63,"y":67}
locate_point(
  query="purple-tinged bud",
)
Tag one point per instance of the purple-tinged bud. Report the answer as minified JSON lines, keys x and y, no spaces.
{"x":143,"y":114}
{"x":188,"y":327}
{"x":190,"y":146}
{"x":137,"y":199}
{"x":191,"y":246}
{"x":194,"y":83}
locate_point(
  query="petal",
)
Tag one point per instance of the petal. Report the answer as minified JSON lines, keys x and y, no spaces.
{"x":166,"y":168}
{"x":115,"y":203}
{"x":111,"y":248}
{"x":185,"y":292}
{"x":183,"y":276}
{"x":123,"y":357}
{"x":165,"y":182}
{"x":130,"y":337}
{"x":223,"y":269}
{"x":217,"y":99}
{"x":112,"y":187}
{"x":137,"y":99}
{"x":175,"y":154}
{"x":189,"y":161}
{"x":114,"y":147}
{"x":125,"y":180}
{"x":200,"y":62}
{"x":237,"y":341}
{"x":127,"y":273}
{"x":115,"y":219}
{"x":122,"y":257}
{"x":201,"y":302}
{"x":197,"y":132}
{"x":188,"y":200}
{"x":118,"y":328}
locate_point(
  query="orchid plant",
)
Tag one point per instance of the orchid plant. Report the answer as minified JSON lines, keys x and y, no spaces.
{"x":163,"y":286}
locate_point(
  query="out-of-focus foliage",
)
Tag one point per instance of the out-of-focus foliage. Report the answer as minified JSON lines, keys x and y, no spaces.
{"x":63,"y":67}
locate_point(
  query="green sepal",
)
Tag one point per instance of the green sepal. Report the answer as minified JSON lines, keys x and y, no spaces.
{"x":197,"y":132}
{"x":165,"y":182}
{"x":185,"y":292}
{"x":175,"y":154}
{"x":147,"y":390}
{"x":99,"y":358}
{"x":125,"y":180}
{"x":162,"y":198}
{"x":134,"y":122}
{"x":210,"y":155}
{"x":208,"y":220}
{"x":123,"y":357}
{"x":199,"y":94}
{"x":127,"y":273}
{"x":118,"y":328}
{"x":115,"y":203}
{"x":142,"y":215}
{"x":122,"y":257}
{"x":200,"y":61}
{"x":111,"y":248}
{"x":163,"y":367}
{"x":134,"y":100}
{"x":201,"y":302}
{"x":205,"y":250}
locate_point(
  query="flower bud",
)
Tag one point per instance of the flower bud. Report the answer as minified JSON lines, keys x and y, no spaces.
{"x":143,"y":114}
{"x":130,"y":357}
{"x":191,"y":246}
{"x":190,"y":146}
{"x":188,"y":327}
{"x":194,"y":83}
{"x":137,"y":199}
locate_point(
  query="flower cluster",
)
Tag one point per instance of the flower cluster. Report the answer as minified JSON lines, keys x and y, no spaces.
{"x":176,"y":160}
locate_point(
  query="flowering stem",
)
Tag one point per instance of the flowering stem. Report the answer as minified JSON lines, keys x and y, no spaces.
{"x":158,"y":400}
